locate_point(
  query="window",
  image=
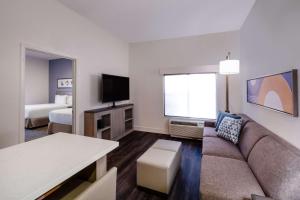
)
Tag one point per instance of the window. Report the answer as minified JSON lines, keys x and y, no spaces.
{"x":190,"y":95}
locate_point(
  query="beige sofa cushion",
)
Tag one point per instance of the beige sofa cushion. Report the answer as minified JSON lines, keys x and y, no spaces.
{"x":216,"y":146}
{"x":250,"y":135}
{"x":225,"y":178}
{"x":276,"y":165}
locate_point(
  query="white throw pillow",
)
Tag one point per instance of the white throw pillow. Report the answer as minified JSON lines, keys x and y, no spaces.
{"x":69,"y":100}
{"x":61,"y":99}
{"x":229,"y":129}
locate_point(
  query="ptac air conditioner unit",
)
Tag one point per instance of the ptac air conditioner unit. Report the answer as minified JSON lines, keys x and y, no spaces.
{"x":186,"y":129}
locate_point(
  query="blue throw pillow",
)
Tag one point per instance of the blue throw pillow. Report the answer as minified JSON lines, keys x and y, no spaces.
{"x":221,"y":116}
{"x":218,"y":120}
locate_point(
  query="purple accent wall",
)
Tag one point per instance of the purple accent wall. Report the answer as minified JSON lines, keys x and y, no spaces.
{"x":58,"y":69}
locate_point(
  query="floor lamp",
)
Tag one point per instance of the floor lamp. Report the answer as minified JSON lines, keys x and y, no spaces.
{"x":229,"y":67}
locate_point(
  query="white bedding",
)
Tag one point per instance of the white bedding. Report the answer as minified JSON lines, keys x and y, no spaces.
{"x":61,"y":116}
{"x":41,"y":110}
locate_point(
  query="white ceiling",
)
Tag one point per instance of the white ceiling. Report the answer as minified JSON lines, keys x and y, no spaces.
{"x":144,"y":20}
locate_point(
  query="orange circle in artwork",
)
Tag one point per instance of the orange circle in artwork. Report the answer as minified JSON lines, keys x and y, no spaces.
{"x":280,"y":86}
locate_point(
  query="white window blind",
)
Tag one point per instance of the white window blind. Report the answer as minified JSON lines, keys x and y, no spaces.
{"x":190,"y":95}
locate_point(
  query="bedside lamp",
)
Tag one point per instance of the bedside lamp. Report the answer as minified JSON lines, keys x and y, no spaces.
{"x":229,"y":67}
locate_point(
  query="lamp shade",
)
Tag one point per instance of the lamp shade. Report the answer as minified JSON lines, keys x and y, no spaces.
{"x":230,"y":67}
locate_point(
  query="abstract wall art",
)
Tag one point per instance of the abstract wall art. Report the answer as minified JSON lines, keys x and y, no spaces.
{"x":278,"y":92}
{"x":64,"y":83}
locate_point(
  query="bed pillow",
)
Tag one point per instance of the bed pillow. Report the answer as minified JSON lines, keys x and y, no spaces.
{"x":69,"y":100}
{"x":61,"y":99}
{"x":221,"y":116}
{"x":229,"y":129}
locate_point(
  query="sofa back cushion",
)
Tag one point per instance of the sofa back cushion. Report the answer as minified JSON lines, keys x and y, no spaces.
{"x":276,"y":166}
{"x":245,"y":119}
{"x":251,"y":133}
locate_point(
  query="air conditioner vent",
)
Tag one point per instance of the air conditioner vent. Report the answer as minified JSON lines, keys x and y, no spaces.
{"x":186,"y":128}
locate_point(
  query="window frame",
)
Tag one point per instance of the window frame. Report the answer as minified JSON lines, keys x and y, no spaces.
{"x":182,"y":117}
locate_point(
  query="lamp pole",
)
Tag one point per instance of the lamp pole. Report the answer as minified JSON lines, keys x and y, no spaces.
{"x":227,"y":95}
{"x":227,"y":87}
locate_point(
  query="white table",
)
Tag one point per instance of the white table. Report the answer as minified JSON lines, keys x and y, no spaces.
{"x":31,"y":169}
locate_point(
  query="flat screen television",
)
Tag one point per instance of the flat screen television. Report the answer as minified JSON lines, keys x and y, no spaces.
{"x":114,"y":88}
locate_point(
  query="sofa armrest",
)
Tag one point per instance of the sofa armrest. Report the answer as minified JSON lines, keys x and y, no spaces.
{"x":210,"y":123}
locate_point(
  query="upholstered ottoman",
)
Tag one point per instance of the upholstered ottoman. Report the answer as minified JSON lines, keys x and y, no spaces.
{"x":157,"y":167}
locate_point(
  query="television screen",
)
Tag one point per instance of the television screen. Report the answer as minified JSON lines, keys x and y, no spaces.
{"x":114,"y":88}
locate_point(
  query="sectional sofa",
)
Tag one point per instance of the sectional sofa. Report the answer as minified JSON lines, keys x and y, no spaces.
{"x":261,"y":164}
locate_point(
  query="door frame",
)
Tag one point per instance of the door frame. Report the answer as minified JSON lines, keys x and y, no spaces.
{"x":23,"y":48}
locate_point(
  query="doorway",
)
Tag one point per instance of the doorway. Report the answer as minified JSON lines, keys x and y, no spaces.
{"x":48,"y":94}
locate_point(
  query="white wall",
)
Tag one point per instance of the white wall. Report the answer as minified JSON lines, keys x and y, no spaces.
{"x":50,"y":25}
{"x":270,"y":43}
{"x":36,"y":80}
{"x":147,"y":58}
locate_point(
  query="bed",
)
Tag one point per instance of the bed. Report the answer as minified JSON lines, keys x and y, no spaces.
{"x":37,"y":115}
{"x":60,"y":121}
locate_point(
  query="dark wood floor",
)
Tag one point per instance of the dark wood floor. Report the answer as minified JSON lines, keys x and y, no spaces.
{"x":186,"y":184}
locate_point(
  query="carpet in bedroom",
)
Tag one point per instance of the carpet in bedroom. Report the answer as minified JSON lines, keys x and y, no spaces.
{"x":31,"y":134}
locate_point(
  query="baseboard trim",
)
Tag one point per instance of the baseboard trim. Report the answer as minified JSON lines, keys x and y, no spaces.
{"x":151,"y":130}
